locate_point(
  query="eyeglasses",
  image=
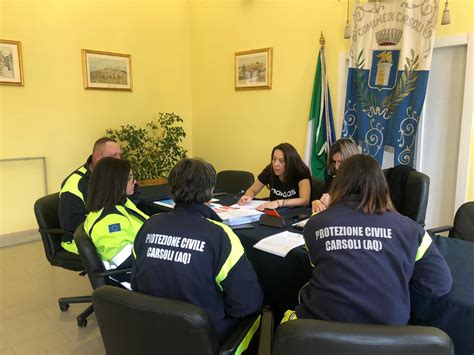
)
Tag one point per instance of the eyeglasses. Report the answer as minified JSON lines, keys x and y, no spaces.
{"x":130,"y":177}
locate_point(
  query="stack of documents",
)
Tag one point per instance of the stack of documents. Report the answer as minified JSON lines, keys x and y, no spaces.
{"x":281,"y":243}
{"x":235,"y":215}
{"x":231,"y":215}
{"x":249,"y":206}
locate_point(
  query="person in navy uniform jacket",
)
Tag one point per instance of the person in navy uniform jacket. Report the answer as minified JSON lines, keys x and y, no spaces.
{"x":366,"y":256}
{"x":190,"y":255}
{"x":287,"y":177}
{"x":74,"y":189}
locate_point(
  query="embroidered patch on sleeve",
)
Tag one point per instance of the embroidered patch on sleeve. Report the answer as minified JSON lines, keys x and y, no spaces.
{"x":114,"y":227}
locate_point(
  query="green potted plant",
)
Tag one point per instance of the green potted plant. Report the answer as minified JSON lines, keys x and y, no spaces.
{"x":154,"y":149}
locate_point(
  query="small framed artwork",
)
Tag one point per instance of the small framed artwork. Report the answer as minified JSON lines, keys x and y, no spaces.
{"x":253,"y":69}
{"x":106,"y":70}
{"x":11,"y":70}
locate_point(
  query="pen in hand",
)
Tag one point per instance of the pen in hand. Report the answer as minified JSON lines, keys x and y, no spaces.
{"x":244,"y":199}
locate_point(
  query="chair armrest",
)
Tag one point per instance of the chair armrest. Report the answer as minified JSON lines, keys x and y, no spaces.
{"x":439,"y":229}
{"x":112,"y":272}
{"x":242,"y":334}
{"x":266,"y":332}
{"x":51,"y":230}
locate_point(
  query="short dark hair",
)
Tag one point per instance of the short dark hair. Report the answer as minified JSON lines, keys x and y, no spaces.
{"x":360,"y":180}
{"x":192,"y":180}
{"x":108,"y":184}
{"x":294,"y":165}
{"x":346,"y":147}
{"x":100,"y":143}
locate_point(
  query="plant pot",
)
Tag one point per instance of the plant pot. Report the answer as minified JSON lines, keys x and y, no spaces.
{"x":151,"y":182}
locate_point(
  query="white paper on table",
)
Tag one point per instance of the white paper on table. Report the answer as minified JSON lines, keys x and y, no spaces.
{"x":281,"y":243}
{"x":300,"y":225}
{"x":236,"y":213}
{"x":250,"y":206}
{"x":169,"y":202}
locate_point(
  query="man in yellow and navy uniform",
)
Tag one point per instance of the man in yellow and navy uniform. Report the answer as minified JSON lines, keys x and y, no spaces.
{"x":72,"y":196}
{"x":113,"y":232}
{"x":189,"y":255}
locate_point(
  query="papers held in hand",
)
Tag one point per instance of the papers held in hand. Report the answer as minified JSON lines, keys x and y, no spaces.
{"x":281,"y":243}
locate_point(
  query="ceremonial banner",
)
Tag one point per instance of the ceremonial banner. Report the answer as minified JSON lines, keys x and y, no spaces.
{"x":320,"y":134}
{"x":390,"y":57}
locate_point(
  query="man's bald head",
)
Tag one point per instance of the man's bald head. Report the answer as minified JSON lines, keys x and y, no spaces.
{"x":105,"y":147}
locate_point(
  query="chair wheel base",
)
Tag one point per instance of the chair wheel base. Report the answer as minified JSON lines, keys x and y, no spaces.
{"x":63,"y":307}
{"x":81,"y":322}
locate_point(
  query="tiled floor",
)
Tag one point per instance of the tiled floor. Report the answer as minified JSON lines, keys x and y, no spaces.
{"x":30,"y":319}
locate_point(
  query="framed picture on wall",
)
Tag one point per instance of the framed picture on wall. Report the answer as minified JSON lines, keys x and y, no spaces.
{"x":253,"y":69}
{"x":11,"y":69}
{"x":106,"y":70}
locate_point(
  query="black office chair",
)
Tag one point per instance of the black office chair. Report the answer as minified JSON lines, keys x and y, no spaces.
{"x":311,"y":337}
{"x":233,"y":181}
{"x":409,"y":190}
{"x":98,"y":275}
{"x":266,"y":332}
{"x":46,"y":212}
{"x":134,"y":323}
{"x":463,"y":225}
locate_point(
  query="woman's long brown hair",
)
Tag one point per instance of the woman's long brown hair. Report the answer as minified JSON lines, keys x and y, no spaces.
{"x":360,"y":180}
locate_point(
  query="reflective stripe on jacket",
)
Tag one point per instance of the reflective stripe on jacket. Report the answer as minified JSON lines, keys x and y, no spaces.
{"x":113,"y":231}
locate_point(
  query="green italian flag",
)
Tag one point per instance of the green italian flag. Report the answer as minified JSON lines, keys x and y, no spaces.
{"x":320,"y":133}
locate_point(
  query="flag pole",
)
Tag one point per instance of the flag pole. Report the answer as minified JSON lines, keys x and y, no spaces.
{"x":326,"y":98}
{"x":322,"y":42}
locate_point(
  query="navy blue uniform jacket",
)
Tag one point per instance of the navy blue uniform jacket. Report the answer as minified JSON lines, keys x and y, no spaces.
{"x":364,"y":265}
{"x":187,"y":255}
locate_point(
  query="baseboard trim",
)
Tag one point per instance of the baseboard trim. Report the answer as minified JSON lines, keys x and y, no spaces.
{"x":7,"y":240}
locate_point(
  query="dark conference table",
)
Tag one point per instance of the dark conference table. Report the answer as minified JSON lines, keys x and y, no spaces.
{"x":282,"y":278}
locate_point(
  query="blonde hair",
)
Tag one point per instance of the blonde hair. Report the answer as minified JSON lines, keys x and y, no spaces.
{"x":346,"y":147}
